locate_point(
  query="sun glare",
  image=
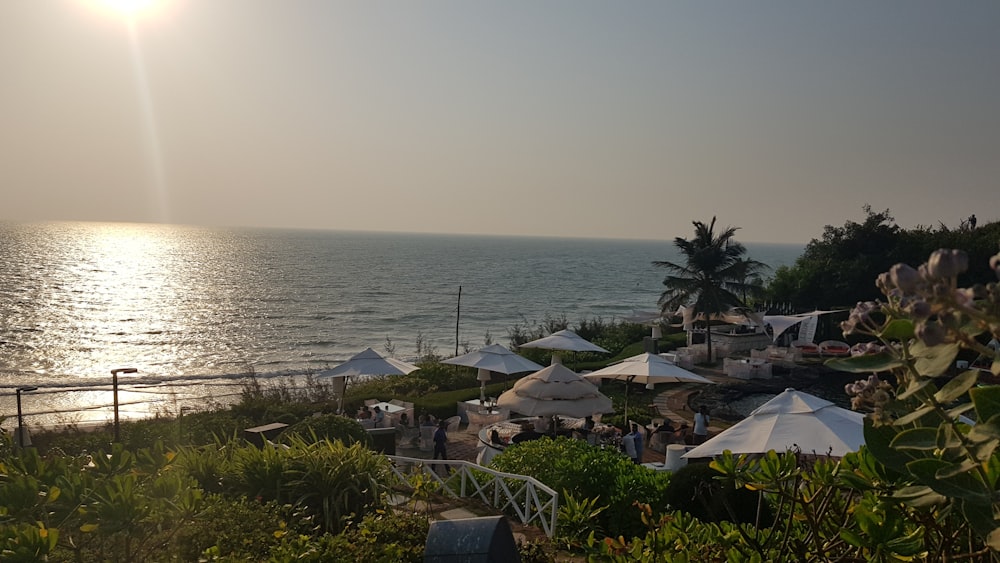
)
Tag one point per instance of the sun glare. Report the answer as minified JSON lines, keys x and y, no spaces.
{"x":129,"y":9}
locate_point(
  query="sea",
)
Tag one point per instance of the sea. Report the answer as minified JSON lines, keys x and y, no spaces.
{"x":195,"y":309}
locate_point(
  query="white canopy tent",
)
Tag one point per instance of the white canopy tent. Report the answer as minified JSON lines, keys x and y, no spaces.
{"x":792,"y":419}
{"x":555,"y":390}
{"x":565,"y":340}
{"x":493,"y":358}
{"x":646,"y":369}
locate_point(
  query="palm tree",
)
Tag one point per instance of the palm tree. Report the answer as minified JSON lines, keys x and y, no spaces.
{"x":749,"y":279}
{"x":713,"y":269}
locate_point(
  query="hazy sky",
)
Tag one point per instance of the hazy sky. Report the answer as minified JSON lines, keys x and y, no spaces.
{"x":533,"y":117}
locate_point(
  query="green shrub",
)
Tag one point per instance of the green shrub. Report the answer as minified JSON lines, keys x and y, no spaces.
{"x":329,"y":427}
{"x":238,"y":527}
{"x":696,"y":489}
{"x":586,"y":472}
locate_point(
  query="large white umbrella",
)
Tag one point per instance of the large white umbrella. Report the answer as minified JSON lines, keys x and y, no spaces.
{"x":368,"y":362}
{"x":493,"y":358}
{"x":793,"y":419}
{"x":566,"y":340}
{"x":555,"y":390}
{"x":646,"y":368}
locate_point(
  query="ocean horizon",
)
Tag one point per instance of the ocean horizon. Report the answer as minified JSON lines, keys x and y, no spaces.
{"x":194,"y":309}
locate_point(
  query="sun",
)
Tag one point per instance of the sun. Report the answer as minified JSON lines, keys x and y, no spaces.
{"x":128,"y":9}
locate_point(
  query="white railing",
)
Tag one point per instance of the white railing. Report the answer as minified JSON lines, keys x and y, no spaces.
{"x":528,"y":498}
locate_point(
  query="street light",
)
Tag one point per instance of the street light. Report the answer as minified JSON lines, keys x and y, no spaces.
{"x":20,"y":419}
{"x":114,"y":386}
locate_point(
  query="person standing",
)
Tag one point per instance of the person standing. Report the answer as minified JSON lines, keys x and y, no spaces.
{"x":638,"y":441}
{"x":440,"y":439}
{"x":701,"y":421}
{"x":628,"y":446}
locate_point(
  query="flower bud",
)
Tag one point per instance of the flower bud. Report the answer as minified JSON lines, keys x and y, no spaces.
{"x":931,"y":333}
{"x":919,"y":310}
{"x":947,"y":263}
{"x":904,"y":277}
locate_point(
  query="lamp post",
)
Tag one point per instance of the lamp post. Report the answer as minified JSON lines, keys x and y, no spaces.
{"x":114,"y":386}
{"x":180,"y":423}
{"x":20,"y":419}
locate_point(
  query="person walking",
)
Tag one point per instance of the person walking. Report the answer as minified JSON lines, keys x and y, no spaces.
{"x":701,"y":421}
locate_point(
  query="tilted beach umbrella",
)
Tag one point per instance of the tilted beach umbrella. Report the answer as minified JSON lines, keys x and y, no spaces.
{"x":555,"y":390}
{"x":565,"y":340}
{"x":646,"y":368}
{"x":792,"y":419}
{"x":493,"y":358}
{"x":367,"y":362}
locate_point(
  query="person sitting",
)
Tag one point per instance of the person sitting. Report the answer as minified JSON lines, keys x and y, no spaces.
{"x":364,"y":413}
{"x":404,"y":420}
{"x":427,"y":420}
{"x":495,"y":437}
{"x":527,"y":432}
{"x":379,"y":416}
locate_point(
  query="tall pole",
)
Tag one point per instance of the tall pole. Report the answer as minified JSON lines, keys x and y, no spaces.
{"x":114,"y":386}
{"x":20,"y":419}
{"x":458,"y":314}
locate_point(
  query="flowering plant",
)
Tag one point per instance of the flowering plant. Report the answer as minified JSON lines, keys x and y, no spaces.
{"x":938,"y":429}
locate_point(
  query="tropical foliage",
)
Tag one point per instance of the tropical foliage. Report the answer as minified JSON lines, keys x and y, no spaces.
{"x":600,"y":478}
{"x":712,"y":277}
{"x":838,"y":269}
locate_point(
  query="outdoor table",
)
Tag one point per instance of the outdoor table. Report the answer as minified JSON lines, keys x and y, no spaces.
{"x":390,"y":410}
{"x":474,"y":405}
{"x":478,"y":419}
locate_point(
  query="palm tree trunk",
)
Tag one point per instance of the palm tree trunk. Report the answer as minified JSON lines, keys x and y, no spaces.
{"x":708,"y":339}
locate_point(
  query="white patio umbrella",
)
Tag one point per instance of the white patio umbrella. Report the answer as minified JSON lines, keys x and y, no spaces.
{"x":566,"y":340}
{"x":555,"y":390}
{"x":792,"y":419}
{"x":493,"y":358}
{"x":646,"y":368}
{"x":367,"y":362}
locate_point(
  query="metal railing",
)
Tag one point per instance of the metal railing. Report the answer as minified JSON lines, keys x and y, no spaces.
{"x":530,"y":500}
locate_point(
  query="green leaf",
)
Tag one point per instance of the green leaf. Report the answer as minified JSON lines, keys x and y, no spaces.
{"x":878,"y":440}
{"x":919,"y":496}
{"x":851,"y":538}
{"x":947,"y":437}
{"x":908,"y":545}
{"x":882,"y":361}
{"x":985,"y":430}
{"x":914,"y":416}
{"x":986,"y":400}
{"x":961,"y":409}
{"x":982,"y":518}
{"x":898,"y":329}
{"x":916,"y":439}
{"x":961,"y":485}
{"x":916,"y":385}
{"x":957,"y":386}
{"x":934,"y":360}
{"x":956,"y":468}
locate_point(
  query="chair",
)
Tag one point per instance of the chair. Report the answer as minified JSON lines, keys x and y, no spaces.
{"x":427,"y":438}
{"x":454,"y":421}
